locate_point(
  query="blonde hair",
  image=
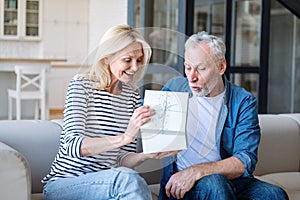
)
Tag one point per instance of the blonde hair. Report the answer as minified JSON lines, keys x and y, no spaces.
{"x":114,"y":40}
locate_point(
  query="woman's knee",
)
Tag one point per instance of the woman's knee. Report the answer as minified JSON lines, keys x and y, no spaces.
{"x":131,"y":185}
{"x":130,"y":177}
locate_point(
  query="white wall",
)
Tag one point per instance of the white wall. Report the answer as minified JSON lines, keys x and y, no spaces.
{"x":58,"y":84}
{"x":89,"y":26}
{"x":24,"y":49}
{"x":104,"y":14}
{"x":71,"y":29}
{"x":65,"y":29}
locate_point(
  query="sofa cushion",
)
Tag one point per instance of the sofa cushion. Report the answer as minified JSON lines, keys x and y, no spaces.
{"x":154,"y":188}
{"x":289,"y":181}
{"x":14,"y":173}
{"x":151,"y":170}
{"x":37,"y":196}
{"x":295,"y":116}
{"x":37,"y":141}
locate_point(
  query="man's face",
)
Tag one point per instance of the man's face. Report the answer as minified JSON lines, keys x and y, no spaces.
{"x":202,"y":71}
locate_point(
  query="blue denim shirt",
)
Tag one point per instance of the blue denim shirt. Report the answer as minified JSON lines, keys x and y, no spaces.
{"x":237,"y":125}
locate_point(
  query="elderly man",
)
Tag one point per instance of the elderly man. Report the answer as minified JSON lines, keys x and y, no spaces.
{"x":223,"y":132}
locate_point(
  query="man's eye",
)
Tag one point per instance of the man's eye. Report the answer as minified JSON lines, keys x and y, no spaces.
{"x":139,"y":60}
{"x":127,"y":60}
{"x":187,"y":67}
{"x":201,"y":69}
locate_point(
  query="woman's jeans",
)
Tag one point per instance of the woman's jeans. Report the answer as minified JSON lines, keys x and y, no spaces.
{"x":116,"y":183}
{"x":217,"y":186}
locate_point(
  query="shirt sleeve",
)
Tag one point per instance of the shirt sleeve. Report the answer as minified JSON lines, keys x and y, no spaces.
{"x":247,"y":135}
{"x":130,"y":148}
{"x":75,"y":117}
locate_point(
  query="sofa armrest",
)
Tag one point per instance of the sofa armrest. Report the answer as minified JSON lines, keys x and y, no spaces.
{"x":279,"y":148}
{"x":37,"y":141}
{"x":15,"y":179}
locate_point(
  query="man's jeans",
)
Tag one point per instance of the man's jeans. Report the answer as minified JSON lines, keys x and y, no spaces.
{"x":116,"y":183}
{"x":217,"y":186}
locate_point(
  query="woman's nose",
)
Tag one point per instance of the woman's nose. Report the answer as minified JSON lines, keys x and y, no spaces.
{"x":134,"y":66}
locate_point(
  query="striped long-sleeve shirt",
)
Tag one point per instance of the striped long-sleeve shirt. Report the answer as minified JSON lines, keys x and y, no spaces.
{"x":90,"y":112}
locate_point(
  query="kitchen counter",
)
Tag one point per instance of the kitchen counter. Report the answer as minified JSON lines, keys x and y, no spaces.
{"x":8,"y":64}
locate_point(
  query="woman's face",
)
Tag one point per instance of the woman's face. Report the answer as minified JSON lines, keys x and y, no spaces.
{"x":125,"y":63}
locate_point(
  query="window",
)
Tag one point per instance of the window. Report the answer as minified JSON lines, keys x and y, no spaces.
{"x":20,"y":19}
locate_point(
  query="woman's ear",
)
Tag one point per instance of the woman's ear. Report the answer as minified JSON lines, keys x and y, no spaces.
{"x":106,"y":60}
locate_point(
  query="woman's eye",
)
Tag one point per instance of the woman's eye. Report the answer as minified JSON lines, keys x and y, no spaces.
{"x":127,"y":60}
{"x":139,"y":60}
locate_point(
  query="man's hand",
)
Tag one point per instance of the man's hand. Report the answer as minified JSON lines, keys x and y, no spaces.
{"x":180,"y":183}
{"x":183,"y":181}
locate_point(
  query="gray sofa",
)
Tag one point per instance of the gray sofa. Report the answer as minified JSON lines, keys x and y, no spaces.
{"x":27,"y":148}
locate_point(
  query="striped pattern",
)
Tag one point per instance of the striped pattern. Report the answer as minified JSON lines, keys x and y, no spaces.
{"x":93,"y":113}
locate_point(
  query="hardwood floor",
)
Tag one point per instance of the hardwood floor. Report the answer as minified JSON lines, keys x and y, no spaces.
{"x":56,"y":114}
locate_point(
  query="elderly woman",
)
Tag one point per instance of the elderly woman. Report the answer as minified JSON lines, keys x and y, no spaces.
{"x":102,"y":118}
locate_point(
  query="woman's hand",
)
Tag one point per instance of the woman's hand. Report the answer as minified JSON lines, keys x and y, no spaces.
{"x":140,"y":116}
{"x":160,"y":155}
{"x":134,"y":159}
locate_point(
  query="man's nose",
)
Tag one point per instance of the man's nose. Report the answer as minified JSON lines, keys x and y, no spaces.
{"x":194,"y":75}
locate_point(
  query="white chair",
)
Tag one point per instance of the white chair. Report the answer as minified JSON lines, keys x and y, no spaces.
{"x":30,"y":85}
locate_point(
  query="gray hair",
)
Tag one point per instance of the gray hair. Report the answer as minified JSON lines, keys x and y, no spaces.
{"x":215,"y":44}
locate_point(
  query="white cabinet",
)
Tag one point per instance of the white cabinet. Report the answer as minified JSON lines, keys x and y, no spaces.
{"x":59,"y":78}
{"x":20,"y":19}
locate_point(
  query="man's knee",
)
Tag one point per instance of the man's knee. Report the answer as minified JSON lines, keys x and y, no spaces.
{"x":214,"y":186}
{"x":253,"y":188}
{"x":281,"y":194}
{"x":273,"y":192}
{"x":214,"y":180}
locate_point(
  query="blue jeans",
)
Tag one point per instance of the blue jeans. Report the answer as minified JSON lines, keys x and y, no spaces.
{"x":116,"y":183}
{"x":217,"y":186}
